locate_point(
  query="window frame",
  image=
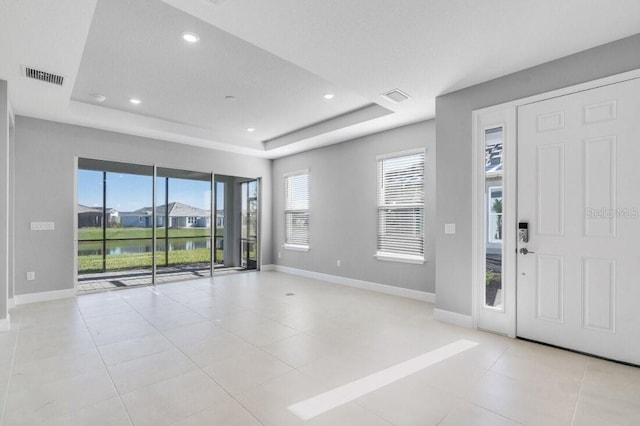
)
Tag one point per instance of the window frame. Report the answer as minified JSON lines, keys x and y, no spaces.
{"x":415,"y":258}
{"x":289,"y":245}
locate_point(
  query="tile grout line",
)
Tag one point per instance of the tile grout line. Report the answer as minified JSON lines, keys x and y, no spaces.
{"x":233,"y":333}
{"x":497,"y":359}
{"x":104,"y":364}
{"x":575,"y":408}
{"x":198,"y":367}
{"x":317,"y":405}
{"x":190,"y":309}
{"x":13,"y":360}
{"x":213,"y":379}
{"x":496,"y":413}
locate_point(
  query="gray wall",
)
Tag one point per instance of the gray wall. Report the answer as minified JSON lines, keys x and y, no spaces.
{"x":4,"y":199}
{"x":343,"y":209}
{"x":454,"y":150}
{"x":44,"y":167}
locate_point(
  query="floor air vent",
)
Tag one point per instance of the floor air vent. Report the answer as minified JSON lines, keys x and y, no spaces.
{"x":47,"y":77}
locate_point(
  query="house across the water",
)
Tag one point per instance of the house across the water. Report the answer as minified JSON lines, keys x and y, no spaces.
{"x":91,"y":217}
{"x":180,"y":216}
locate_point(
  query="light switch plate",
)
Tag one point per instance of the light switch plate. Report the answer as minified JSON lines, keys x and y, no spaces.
{"x":42,"y":226}
{"x":449,"y":228}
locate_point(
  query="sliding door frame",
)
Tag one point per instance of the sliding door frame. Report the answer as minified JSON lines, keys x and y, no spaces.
{"x":154,"y":221}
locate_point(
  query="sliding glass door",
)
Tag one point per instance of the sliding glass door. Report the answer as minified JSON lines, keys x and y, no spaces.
{"x":218,"y":259}
{"x":115,"y":242}
{"x":237,"y":218}
{"x":184,"y":231}
{"x":116,"y":217}
{"x":249,"y":232}
{"x":144,"y":224}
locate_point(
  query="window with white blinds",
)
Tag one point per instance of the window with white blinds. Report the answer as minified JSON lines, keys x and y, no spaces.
{"x":296,"y":210}
{"x":401,"y":206}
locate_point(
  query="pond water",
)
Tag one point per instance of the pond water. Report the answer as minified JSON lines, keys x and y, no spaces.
{"x":142,"y":246}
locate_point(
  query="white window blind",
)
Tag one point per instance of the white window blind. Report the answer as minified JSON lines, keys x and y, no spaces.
{"x":296,"y":214}
{"x":401,"y":206}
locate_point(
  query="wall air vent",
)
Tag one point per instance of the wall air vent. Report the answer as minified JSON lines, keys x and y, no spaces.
{"x":396,"y":96}
{"x":47,"y":77}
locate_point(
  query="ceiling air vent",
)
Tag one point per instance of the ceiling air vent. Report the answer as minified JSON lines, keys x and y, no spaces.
{"x":396,"y":96}
{"x":47,"y":77}
{"x":215,"y":2}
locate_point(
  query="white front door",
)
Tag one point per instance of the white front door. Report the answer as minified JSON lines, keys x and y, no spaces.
{"x":578,"y":286}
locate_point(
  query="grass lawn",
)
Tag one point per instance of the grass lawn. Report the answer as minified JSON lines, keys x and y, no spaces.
{"x":93,"y":263}
{"x":96,"y":233}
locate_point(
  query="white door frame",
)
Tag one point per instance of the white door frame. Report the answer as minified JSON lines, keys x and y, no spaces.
{"x":488,"y":318}
{"x":506,"y":115}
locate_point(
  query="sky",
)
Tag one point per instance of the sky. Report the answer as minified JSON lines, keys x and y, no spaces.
{"x":128,"y":192}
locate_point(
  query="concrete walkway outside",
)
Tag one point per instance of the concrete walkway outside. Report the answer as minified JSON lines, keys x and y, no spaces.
{"x":91,"y":283}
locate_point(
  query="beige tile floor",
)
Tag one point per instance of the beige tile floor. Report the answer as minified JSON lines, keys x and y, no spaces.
{"x":237,"y":350}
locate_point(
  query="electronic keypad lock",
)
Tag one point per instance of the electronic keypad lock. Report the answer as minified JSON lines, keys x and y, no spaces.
{"x":523,"y":232}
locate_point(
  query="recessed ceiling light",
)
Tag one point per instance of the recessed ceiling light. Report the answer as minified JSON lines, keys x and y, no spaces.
{"x":250,"y":129}
{"x":135,"y":101}
{"x":98,"y":98}
{"x":329,"y":95}
{"x":190,"y":37}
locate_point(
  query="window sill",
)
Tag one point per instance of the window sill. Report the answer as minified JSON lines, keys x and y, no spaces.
{"x":403,"y":258}
{"x":295,"y":247}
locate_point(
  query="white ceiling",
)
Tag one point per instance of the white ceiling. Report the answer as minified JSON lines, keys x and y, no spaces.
{"x":278,"y":58}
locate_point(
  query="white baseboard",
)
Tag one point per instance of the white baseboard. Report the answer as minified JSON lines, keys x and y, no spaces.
{"x":266,"y":268}
{"x":11,"y":303}
{"x":364,"y":285}
{"x":453,"y":318}
{"x":5,"y":323}
{"x":45,"y":296}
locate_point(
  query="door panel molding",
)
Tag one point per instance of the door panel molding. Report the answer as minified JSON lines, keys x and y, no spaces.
{"x":550,"y":287}
{"x":596,"y":272}
{"x":600,"y":165}
{"x":550,"y":189}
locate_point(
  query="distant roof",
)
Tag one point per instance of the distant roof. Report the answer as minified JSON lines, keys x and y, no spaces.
{"x":176,"y":209}
{"x":86,"y":209}
{"x":144,"y":211}
{"x":182,"y":210}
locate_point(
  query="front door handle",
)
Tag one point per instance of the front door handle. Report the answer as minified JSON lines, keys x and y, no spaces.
{"x":524,"y":250}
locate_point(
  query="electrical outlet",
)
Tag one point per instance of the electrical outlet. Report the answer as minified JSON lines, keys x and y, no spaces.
{"x":31,"y":276}
{"x":279,"y":254}
{"x":338,"y":263}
